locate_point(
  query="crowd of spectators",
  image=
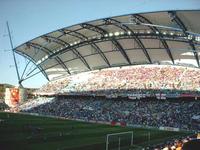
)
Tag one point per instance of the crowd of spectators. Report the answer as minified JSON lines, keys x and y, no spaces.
{"x":123,"y":82}
{"x":186,"y":143}
{"x":114,"y":80}
{"x":155,"y":113}
{"x":3,"y":105}
{"x":34,"y":103}
{"x":53,"y":86}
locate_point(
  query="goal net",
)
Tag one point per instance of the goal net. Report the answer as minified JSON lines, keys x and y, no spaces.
{"x":119,"y":141}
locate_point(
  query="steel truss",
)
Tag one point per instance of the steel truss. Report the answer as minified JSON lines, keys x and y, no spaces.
{"x":178,"y":21}
{"x":103,"y":35}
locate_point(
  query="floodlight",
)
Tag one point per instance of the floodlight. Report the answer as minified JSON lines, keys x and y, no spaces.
{"x":116,"y":33}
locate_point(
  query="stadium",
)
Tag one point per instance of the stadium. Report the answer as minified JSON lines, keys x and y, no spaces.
{"x":125,"y":82}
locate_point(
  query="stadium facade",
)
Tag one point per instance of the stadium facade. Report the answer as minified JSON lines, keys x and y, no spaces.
{"x":156,"y":41}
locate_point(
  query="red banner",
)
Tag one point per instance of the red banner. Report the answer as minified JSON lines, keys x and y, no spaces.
{"x":113,"y":123}
{"x":123,"y":124}
{"x":187,"y":95}
{"x":14,"y":95}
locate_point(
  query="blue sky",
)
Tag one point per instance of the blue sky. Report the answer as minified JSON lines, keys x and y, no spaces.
{"x":31,"y":18}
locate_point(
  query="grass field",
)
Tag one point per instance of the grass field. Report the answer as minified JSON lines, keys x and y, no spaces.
{"x":25,"y":132}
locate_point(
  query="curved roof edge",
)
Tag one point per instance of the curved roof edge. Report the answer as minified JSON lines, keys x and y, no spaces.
{"x":120,"y":15}
{"x":157,"y":37}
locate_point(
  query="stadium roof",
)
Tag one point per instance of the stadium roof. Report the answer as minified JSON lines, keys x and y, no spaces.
{"x":164,"y":37}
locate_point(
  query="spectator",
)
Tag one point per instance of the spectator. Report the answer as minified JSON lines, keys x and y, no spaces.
{"x":126,"y":80}
{"x":156,"y":113}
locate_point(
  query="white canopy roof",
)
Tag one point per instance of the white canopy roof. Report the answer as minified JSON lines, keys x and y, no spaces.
{"x":164,"y":37}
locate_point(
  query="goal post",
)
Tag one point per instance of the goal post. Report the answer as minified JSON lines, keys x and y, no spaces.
{"x":119,"y":138}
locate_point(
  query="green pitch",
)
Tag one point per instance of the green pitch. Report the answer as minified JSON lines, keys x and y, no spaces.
{"x":25,"y":132}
